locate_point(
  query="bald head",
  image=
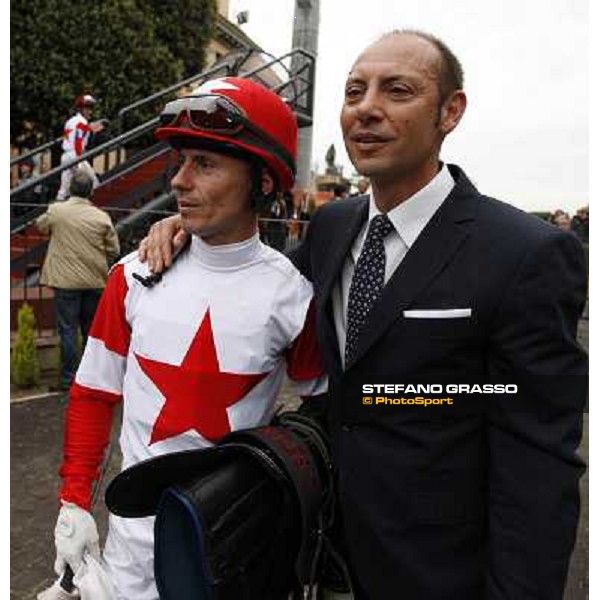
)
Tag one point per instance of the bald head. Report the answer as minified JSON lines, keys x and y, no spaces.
{"x":398,"y":107}
{"x":444,"y":63}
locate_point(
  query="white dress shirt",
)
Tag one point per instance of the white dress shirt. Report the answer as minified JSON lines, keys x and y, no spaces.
{"x":409,"y":218}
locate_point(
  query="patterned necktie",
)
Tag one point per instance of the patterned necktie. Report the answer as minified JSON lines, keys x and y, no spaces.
{"x":367,"y":281}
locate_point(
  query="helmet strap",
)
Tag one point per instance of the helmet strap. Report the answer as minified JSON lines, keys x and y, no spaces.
{"x":261,"y":200}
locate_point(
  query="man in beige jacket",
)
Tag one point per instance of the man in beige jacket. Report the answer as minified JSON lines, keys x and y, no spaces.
{"x":82,"y":242}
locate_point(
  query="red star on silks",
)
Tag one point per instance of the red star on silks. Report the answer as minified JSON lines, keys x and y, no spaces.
{"x":197,"y":393}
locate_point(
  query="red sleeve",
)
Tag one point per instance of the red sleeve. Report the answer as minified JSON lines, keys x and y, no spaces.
{"x":81,"y":130}
{"x":90,"y":411}
{"x":303,"y":356}
{"x":87,"y":432}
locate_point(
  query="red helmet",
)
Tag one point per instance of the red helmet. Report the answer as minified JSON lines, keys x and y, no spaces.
{"x":237,"y":113}
{"x":83,"y":101}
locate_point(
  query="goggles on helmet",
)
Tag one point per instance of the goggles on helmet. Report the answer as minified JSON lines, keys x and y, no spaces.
{"x":219,"y":115}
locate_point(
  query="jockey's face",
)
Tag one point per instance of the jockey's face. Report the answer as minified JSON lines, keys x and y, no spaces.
{"x":213,"y":195}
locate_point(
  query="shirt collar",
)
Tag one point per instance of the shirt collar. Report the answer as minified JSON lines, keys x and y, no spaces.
{"x":226,"y":256}
{"x":79,"y":200}
{"x":410,"y":217}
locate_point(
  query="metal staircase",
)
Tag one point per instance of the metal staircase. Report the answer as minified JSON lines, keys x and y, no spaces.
{"x":138,"y":170}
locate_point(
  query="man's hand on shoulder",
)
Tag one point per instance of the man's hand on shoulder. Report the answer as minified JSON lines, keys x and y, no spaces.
{"x":163,"y":241}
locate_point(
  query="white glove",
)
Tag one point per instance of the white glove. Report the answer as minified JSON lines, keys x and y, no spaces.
{"x":55,"y":592}
{"x":74,"y":534}
{"x":93,"y":580}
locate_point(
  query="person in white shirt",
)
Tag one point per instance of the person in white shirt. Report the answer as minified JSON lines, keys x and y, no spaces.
{"x":76,"y":135}
{"x":203,"y":351}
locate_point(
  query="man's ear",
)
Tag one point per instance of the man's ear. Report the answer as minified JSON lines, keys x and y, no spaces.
{"x":452,"y":111}
{"x":267,"y":182}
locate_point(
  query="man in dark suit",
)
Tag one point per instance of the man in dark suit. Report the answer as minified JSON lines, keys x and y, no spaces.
{"x":430,"y":282}
{"x":483,"y":505}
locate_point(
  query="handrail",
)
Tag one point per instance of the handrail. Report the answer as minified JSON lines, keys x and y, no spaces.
{"x":126,"y":204}
{"x":203,"y":75}
{"x":157,"y":150}
{"x":117,"y":141}
{"x":124,"y":137}
{"x":212,"y":71}
{"x":142,"y":157}
{"x":293,"y":76}
{"x":34,"y":257}
{"x":22,"y":157}
{"x":293,"y":51}
{"x":148,"y":208}
{"x":39,"y":149}
{"x":300,"y":78}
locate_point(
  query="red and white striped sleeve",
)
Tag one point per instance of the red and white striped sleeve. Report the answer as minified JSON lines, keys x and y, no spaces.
{"x":82,"y":131}
{"x":95,"y":392}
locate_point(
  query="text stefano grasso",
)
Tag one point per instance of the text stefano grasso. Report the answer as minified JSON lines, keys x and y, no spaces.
{"x":437,"y":388}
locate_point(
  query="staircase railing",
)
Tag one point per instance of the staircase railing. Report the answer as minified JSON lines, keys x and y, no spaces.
{"x":302,"y":100}
{"x":17,"y":160}
{"x":297,"y":88}
{"x":232,"y":64}
{"x":303,"y":62}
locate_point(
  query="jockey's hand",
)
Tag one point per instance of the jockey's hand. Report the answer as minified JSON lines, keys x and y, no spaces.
{"x":75,"y":533}
{"x":164,"y":239}
{"x":97,"y":126}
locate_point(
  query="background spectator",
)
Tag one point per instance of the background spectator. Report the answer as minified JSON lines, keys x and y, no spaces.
{"x":361,"y":187}
{"x":580,"y":224}
{"x":82,"y":242}
{"x":275,"y":227}
{"x":339,"y":192}
{"x":562,"y":221}
{"x":307,"y":206}
{"x":31,"y":197}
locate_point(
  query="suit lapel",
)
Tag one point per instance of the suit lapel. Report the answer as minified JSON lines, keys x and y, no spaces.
{"x":434,"y":248}
{"x":341,"y":245}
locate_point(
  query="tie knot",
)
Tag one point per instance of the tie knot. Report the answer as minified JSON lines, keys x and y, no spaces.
{"x":380,"y":226}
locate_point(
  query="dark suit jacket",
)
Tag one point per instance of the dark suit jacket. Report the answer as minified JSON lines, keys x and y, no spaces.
{"x":478,"y":504}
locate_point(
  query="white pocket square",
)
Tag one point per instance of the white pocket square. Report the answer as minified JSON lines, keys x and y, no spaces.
{"x":446,"y":313}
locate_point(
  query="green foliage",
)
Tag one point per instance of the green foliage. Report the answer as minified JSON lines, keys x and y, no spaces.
{"x":186,"y":27}
{"x":118,"y":50}
{"x":24,"y":362}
